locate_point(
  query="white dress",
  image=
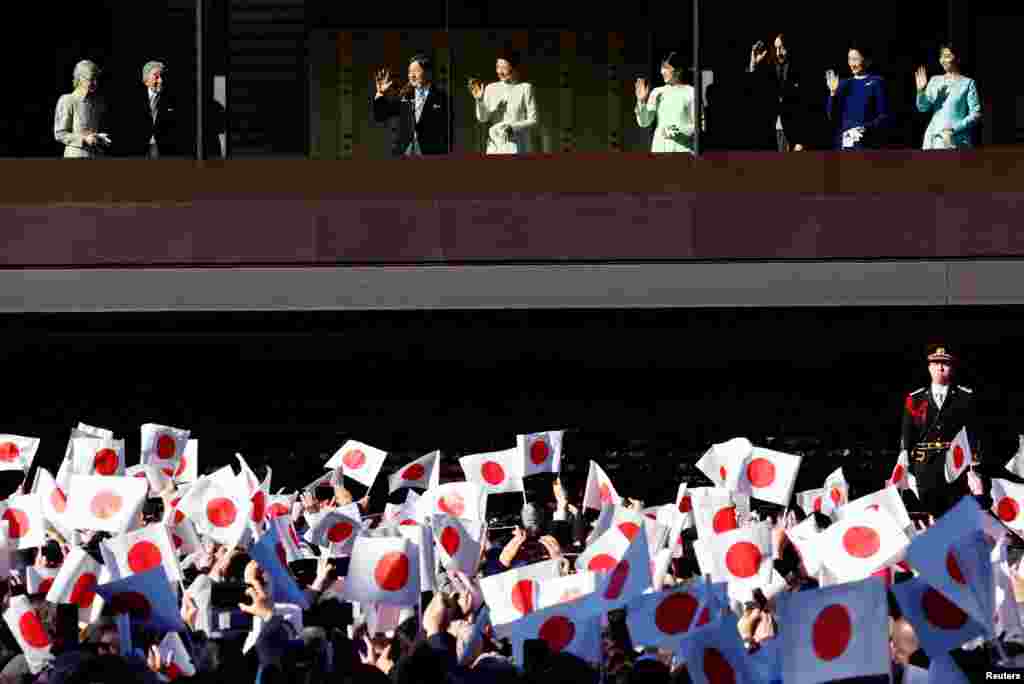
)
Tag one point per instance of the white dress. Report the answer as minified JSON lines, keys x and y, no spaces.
{"x":511,"y":111}
{"x":75,"y":115}
{"x":672,"y":108}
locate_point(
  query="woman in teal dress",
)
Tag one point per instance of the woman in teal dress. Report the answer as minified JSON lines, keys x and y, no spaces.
{"x":671,"y":105}
{"x":953,"y":102}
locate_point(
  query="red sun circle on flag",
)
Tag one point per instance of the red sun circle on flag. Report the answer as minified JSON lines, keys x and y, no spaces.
{"x":723,"y":473}
{"x":44,"y":586}
{"x":675,"y":613}
{"x":182,"y":464}
{"x":958,"y":457}
{"x":724,"y":520}
{"x":106,"y":504}
{"x":450,"y":540}
{"x":179,"y":517}
{"x":339,"y":532}
{"x":521,"y":596}
{"x":953,"y":568}
{"x":144,"y":555}
{"x":558,"y":631}
{"x":172,"y":672}
{"x":221,"y":512}
{"x":276,"y":510}
{"x":259,"y":506}
{"x":84,"y":590}
{"x":604,"y":493}
{"x":831,"y":632}
{"x":940,"y":611}
{"x":761,"y":472}
{"x":18,"y":523}
{"x":452,"y":504}
{"x":717,"y":668}
{"x":414,"y":472}
{"x":685,"y":505}
{"x":32,"y":630}
{"x":169,"y":472}
{"x":617,"y":581}
{"x":602,"y":562}
{"x":132,"y":602}
{"x":836,"y":495}
{"x":743,"y":559}
{"x":1007,"y":509}
{"x":177,"y":541}
{"x":58,"y":500}
{"x":105,"y":462}
{"x":817,"y":504}
{"x":165,"y":447}
{"x":354,"y":459}
{"x":408,"y":522}
{"x":392,"y":571}
{"x":898,"y":473}
{"x":539,"y":452}
{"x":492,"y":473}
{"x":629,"y":529}
{"x":861,"y":542}
{"x":9,"y":452}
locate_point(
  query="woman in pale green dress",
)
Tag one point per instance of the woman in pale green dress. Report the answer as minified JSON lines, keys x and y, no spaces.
{"x":953,"y":102}
{"x":670,"y":105}
{"x":78,"y":120}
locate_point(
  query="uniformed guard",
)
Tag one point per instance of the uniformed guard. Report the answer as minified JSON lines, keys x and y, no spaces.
{"x":932,"y":417}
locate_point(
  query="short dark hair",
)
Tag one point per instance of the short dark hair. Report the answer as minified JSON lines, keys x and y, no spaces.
{"x":864,"y":51}
{"x":676,"y":60}
{"x":424,"y":61}
{"x":511,"y":56}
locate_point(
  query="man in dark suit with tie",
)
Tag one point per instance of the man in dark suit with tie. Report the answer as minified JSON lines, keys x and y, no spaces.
{"x":423,"y":110}
{"x":780,"y":118}
{"x":932,"y":417}
{"x":157,"y":126}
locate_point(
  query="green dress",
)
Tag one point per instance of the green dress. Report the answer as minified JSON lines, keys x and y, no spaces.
{"x":669,"y":106}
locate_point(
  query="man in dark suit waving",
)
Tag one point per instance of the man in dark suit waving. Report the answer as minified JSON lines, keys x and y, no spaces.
{"x":156,"y":127}
{"x":423,"y":110}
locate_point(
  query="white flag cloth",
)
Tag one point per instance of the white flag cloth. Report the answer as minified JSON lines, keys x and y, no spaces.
{"x":17,"y":452}
{"x":684,"y":505}
{"x":39,"y":580}
{"x":383,"y":570}
{"x":173,"y":516}
{"x":184,"y":538}
{"x":763,"y":474}
{"x":270,"y":554}
{"x":361,"y":461}
{"x":862,"y":543}
{"x":459,"y":542}
{"x":421,"y":541}
{"x":599,"y":489}
{"x":714,"y":653}
{"x":336,"y":533}
{"x":630,"y":577}
{"x":163,"y":446}
{"x":888,"y":500}
{"x":175,"y":658}
{"x":24,"y":517}
{"x":76,"y":583}
{"x":805,"y":539}
{"x":52,"y":500}
{"x":900,"y":477}
{"x":154,"y":476}
{"x":245,"y":474}
{"x":107,"y":503}
{"x":1008,"y":503}
{"x":1016,"y":464}
{"x":715,"y":461}
{"x":743,"y":556}
{"x":573,"y":627}
{"x":460,"y":499}
{"x":714,"y":511}
{"x":663,"y":617}
{"x":834,"y":633}
{"x":837,"y":488}
{"x":604,"y":553}
{"x":144,"y":549}
{"x":288,"y":538}
{"x":958,"y":456}
{"x":939,"y":624}
{"x":551,"y":592}
{"x":541,"y":452}
{"x":97,"y":456}
{"x":423,"y":473}
{"x":146,"y":598}
{"x":280,"y":504}
{"x":497,"y":472}
{"x":6,"y":550}
{"x":219,"y":505}
{"x":188,"y":465}
{"x":30,"y":633}
{"x":514,"y":593}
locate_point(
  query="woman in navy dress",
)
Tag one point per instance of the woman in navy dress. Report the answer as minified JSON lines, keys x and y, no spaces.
{"x":857,"y":106}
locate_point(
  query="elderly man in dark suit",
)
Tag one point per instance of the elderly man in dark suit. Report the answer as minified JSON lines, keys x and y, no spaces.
{"x":157,"y":127}
{"x":780,"y":119}
{"x":423,"y":109}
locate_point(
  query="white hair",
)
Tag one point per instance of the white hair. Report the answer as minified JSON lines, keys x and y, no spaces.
{"x":151,"y":66}
{"x":84,"y":69}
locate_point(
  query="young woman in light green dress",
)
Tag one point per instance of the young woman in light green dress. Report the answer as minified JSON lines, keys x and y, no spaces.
{"x":952,"y":99}
{"x":670,"y":105}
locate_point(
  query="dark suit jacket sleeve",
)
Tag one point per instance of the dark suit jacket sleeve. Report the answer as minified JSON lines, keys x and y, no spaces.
{"x":384,"y":108}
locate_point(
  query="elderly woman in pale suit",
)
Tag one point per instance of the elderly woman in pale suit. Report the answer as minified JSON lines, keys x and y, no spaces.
{"x":508,"y":106}
{"x":80,"y":114}
{"x":952,"y":99}
{"x":670,"y":105}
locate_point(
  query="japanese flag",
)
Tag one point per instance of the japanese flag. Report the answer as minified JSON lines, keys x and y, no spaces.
{"x":280,"y":504}
{"x":383,"y":570}
{"x":288,"y":538}
{"x":269,"y":552}
{"x":53,"y":501}
{"x":684,"y":505}
{"x":900,"y":477}
{"x":834,"y":633}
{"x":163,"y":446}
{"x":663,"y":617}
{"x":837,"y":488}
{"x":1008,"y":503}
{"x":558,"y":590}
{"x":460,"y":499}
{"x":959,"y":456}
{"x":17,"y":452}
{"x":862,"y":543}
{"x":144,"y":549}
{"x":24,"y":517}
{"x":715,"y":461}
{"x":604,"y":553}
{"x":423,"y":473}
{"x":152,"y":474}
{"x":743,"y":556}
{"x":514,"y":593}
{"x":175,"y":658}
{"x":541,"y":452}
{"x":336,"y":533}
{"x":173,"y":516}
{"x":763,"y":474}
{"x":248,"y":478}
{"x":96,"y":456}
{"x":714,"y":653}
{"x":421,"y":540}
{"x":1016,"y":464}
{"x":497,"y":472}
{"x":188,"y":466}
{"x":146,"y":598}
{"x":30,"y":633}
{"x":38,"y":580}
{"x":599,"y":490}
{"x":714,"y":511}
{"x":939,"y":624}
{"x":76,"y":583}
{"x":630,"y":577}
{"x":459,"y":542}
{"x":573,"y":627}
{"x":805,"y":539}
{"x":361,"y":461}
{"x":110,"y":504}
{"x":219,"y":505}
{"x":888,"y":500}
{"x":258,"y":492}
{"x":184,"y":538}
{"x":824,"y":500}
